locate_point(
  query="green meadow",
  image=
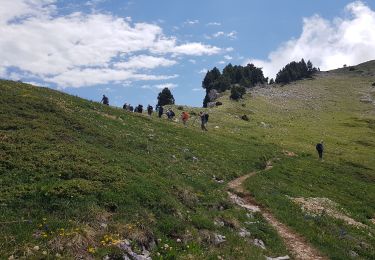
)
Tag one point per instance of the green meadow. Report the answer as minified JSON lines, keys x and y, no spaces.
{"x":77,"y":177}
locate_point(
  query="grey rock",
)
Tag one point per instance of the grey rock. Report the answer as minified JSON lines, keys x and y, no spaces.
{"x":259,"y":243}
{"x":353,"y":254}
{"x":244,"y":232}
{"x":278,"y":258}
{"x":218,"y":239}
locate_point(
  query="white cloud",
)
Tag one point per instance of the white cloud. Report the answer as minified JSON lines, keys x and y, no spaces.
{"x":328,"y":44}
{"x":166,"y":85}
{"x":218,"y":34}
{"x":191,"y":22}
{"x":213,"y":24}
{"x":144,"y":62}
{"x":84,"y":49}
{"x":222,"y":62}
{"x":228,"y":57}
{"x":160,"y":86}
{"x":197,"y":89}
{"x":231,"y":35}
{"x":203,"y":71}
{"x":192,"y":61}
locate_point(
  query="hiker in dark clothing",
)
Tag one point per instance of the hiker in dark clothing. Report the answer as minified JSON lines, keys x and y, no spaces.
{"x":105,"y":100}
{"x":125,"y":106}
{"x":170,"y":114}
{"x":150,"y":109}
{"x":139,"y":109}
{"x":204,"y":120}
{"x":320,"y":149}
{"x":131,"y":108}
{"x":161,"y":111}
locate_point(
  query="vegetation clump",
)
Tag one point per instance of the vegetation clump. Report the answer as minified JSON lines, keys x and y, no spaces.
{"x":165,"y":97}
{"x":245,"y":76}
{"x":295,"y":71}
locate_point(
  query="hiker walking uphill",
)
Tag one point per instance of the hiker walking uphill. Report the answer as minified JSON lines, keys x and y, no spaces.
{"x":105,"y":100}
{"x":170,"y":114}
{"x":185,"y":117}
{"x":160,"y":111}
{"x":320,"y":149}
{"x":150,"y":109}
{"x":204,"y":120}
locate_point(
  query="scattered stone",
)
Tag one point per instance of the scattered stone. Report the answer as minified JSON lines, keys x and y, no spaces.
{"x":174,"y":157}
{"x":103,"y":225}
{"x":353,"y":254}
{"x":218,"y":180}
{"x":259,"y":243}
{"x":373,"y":84}
{"x":249,"y":215}
{"x":217,"y":127}
{"x":219,"y":223}
{"x":218,"y":103}
{"x":178,"y":240}
{"x":195,"y":159}
{"x":278,"y":258}
{"x":11,"y":257}
{"x":244,"y":232}
{"x":36,"y":248}
{"x":218,"y":239}
{"x":321,"y":206}
{"x":125,"y":245}
{"x":240,"y":202}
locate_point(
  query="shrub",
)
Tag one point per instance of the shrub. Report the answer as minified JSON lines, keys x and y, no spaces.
{"x":237,"y":92}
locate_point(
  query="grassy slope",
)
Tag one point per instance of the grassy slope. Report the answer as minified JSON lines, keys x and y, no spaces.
{"x":86,"y":164}
{"x":301,"y":114}
{"x":69,"y":167}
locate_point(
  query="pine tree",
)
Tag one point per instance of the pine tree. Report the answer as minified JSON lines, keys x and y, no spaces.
{"x":165,"y":97}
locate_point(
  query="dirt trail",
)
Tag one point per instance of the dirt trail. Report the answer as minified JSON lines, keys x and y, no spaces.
{"x":296,"y":244}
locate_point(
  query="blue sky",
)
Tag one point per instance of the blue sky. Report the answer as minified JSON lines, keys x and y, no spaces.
{"x":129,"y":50}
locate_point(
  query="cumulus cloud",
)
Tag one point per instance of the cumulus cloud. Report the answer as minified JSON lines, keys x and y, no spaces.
{"x":328,"y":44}
{"x":160,"y":86}
{"x":231,"y":35}
{"x":213,"y":24}
{"x":81,"y":49}
{"x":144,"y":62}
{"x":191,"y":22}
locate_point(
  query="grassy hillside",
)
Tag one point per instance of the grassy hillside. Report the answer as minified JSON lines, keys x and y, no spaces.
{"x":294,"y":118}
{"x":77,"y":176}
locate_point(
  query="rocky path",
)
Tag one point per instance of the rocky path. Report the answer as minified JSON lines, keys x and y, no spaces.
{"x":296,"y":244}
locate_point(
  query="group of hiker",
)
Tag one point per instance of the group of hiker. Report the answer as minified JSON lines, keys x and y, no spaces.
{"x":185,"y":116}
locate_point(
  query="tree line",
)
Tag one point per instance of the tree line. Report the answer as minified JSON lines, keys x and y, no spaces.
{"x":239,"y":78}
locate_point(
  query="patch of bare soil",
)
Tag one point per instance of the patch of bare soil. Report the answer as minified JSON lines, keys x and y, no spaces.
{"x":321,"y":206}
{"x":296,"y":244}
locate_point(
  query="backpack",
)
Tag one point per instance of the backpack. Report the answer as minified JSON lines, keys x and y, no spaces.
{"x":206,"y":117}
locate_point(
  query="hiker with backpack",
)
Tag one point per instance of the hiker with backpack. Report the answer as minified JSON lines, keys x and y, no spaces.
{"x":160,"y":111}
{"x":170,"y":114}
{"x":204,"y":120}
{"x":150,"y":109}
{"x":139,"y":109}
{"x":125,"y":106}
{"x":105,"y":100}
{"x":320,"y":149}
{"x":185,"y":117}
